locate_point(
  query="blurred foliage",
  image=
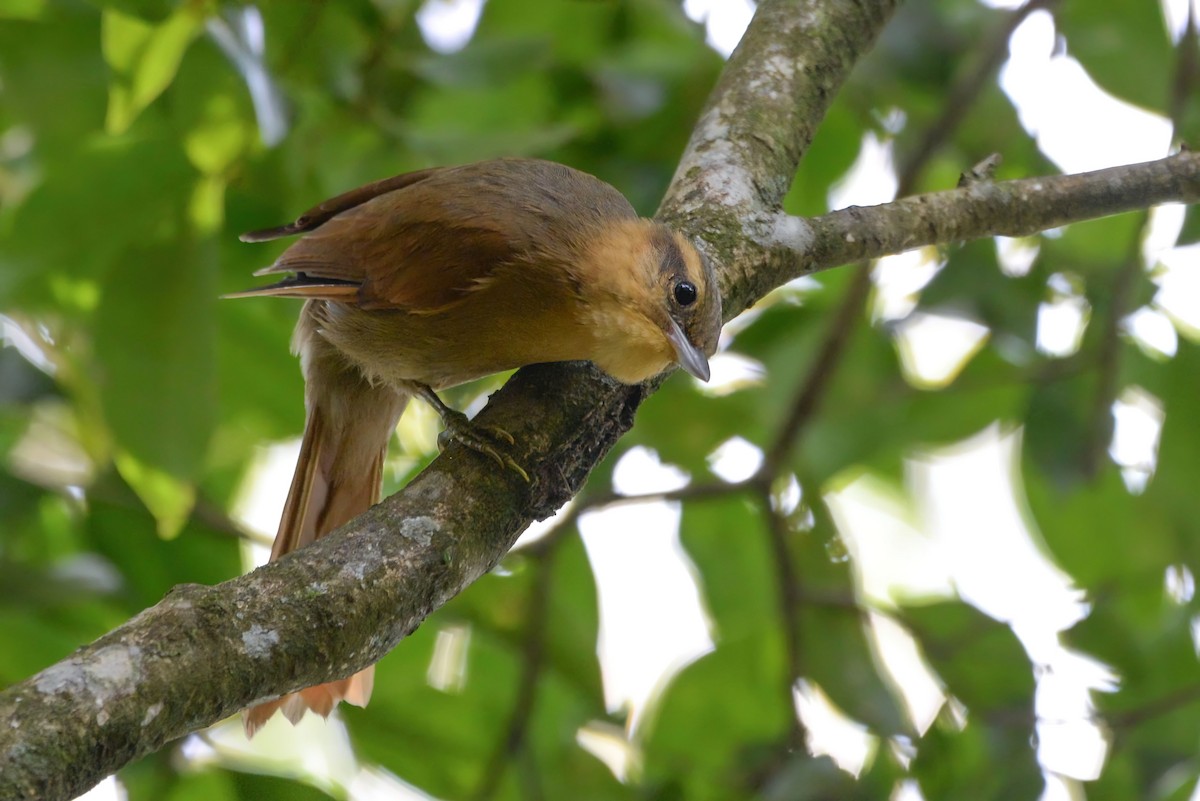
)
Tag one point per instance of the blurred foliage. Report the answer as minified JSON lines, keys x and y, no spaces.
{"x":138,"y":137}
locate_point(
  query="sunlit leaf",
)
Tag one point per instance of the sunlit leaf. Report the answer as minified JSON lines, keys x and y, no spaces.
{"x":143,"y":58}
{"x":168,"y":499}
{"x":23,"y":9}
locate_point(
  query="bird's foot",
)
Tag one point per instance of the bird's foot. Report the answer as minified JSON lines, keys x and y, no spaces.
{"x":485,"y":439}
{"x":479,"y":438}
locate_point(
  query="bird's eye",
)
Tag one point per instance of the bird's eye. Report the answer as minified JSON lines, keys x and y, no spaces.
{"x":685,"y":293}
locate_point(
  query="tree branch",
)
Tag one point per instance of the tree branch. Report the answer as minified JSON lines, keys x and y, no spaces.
{"x":203,"y":653}
{"x":759,"y":121}
{"x":342,"y":603}
{"x":1023,"y":207}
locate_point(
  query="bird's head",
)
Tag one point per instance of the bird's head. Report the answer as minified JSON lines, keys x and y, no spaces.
{"x":653,"y":301}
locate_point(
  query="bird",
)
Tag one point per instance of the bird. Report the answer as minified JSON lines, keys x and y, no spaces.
{"x":434,"y":278}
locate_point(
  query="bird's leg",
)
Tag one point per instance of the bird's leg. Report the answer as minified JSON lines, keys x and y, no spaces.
{"x":466,"y":432}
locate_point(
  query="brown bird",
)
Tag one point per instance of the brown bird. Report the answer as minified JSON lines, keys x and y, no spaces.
{"x":434,"y":278}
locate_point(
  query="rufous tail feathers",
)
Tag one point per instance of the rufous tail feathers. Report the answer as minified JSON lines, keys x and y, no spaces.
{"x":338,"y":476}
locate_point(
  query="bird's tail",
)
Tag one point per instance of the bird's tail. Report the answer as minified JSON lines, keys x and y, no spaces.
{"x":338,"y":476}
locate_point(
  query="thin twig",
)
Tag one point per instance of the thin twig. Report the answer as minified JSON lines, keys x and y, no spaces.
{"x":300,"y":44}
{"x":962,"y":96}
{"x":692,"y":492}
{"x":1109,"y":356}
{"x":216,"y":518}
{"x":820,"y":374}
{"x":958,"y":102}
{"x":511,"y":745}
{"x":1165,"y":705}
{"x":1102,"y":423}
{"x":1187,"y":71}
{"x":819,"y":377}
{"x":790,"y":597}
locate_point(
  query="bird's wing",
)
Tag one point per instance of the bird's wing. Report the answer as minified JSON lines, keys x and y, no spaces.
{"x":424,"y":241}
{"x":322,"y":212}
{"x":383,"y":255}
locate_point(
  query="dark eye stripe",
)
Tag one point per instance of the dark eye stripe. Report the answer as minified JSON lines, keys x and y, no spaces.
{"x":672,"y":257}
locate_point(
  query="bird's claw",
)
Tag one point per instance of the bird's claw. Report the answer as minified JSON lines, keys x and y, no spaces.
{"x":516,"y":468}
{"x":476,"y":437}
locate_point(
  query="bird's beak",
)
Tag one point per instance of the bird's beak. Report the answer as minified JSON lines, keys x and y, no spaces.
{"x":691,"y":358}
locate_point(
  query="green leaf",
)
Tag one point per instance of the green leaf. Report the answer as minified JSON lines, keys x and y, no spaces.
{"x":167,"y":498}
{"x":1059,"y":428}
{"x":60,"y":98}
{"x":802,"y":777}
{"x":980,"y":659}
{"x":1087,"y":527}
{"x":144,"y":59}
{"x":514,"y":119}
{"x":832,"y":153}
{"x":214,"y":784}
{"x":257,"y":787}
{"x":740,"y":582}
{"x":986,"y":392}
{"x":835,"y":649}
{"x":562,"y":765}
{"x":46,"y":636}
{"x":500,"y":605}
{"x":573,"y":625}
{"x":971,"y":284}
{"x":484,"y":61}
{"x":466,"y":720}
{"x":96,"y":200}
{"x":980,"y":761}
{"x":122,"y":531}
{"x":985,"y":667}
{"x":837,"y":655}
{"x":1118,"y":781}
{"x":155,"y":346}
{"x":727,"y":541}
{"x":22,"y":9}
{"x":217,"y":784}
{"x":1171,"y":492}
{"x":1190,"y":234}
{"x":1123,"y":45}
{"x":151,"y":10}
{"x":855,"y":424}
{"x":1093,"y":248}
{"x":18,"y":499}
{"x":438,"y":740}
{"x":723,"y":717}
{"x":1147,"y":639}
{"x":213,"y":112}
